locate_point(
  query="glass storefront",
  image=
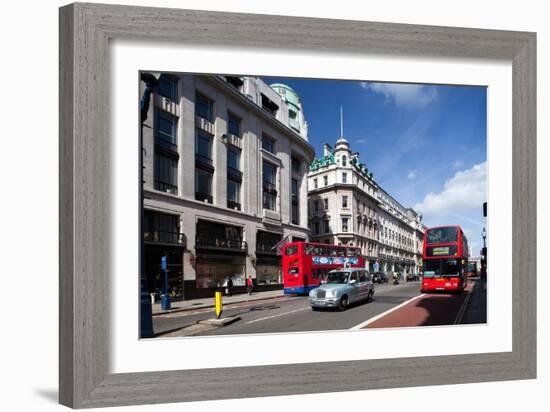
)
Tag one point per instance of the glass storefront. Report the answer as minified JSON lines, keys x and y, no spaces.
{"x":212,"y":270}
{"x":268,"y":270}
{"x":174,"y":269}
{"x":268,"y":264}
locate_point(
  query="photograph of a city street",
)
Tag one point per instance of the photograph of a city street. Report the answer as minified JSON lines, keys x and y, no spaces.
{"x":278,"y":205}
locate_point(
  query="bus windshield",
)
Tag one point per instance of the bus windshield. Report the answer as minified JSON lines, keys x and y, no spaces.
{"x":291,"y":250}
{"x":441,"y":268}
{"x":442,"y":235}
{"x":337,"y":277}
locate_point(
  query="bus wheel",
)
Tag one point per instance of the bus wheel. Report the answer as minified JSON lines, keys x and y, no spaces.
{"x":343,"y":303}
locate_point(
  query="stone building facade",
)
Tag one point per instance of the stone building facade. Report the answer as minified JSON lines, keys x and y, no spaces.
{"x":348,"y":207}
{"x":225,"y":179}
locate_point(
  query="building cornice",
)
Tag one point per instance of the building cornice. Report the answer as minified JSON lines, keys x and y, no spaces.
{"x":289,"y":132}
{"x":337,"y":186}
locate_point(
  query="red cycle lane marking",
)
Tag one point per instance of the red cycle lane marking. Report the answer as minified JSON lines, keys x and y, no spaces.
{"x":428,"y":310}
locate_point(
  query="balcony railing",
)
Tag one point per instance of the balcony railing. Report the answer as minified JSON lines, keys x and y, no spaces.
{"x":266,"y":248}
{"x":159,"y":236}
{"x":233,"y":205}
{"x":203,"y":196}
{"x":166,"y":187}
{"x":212,"y":242}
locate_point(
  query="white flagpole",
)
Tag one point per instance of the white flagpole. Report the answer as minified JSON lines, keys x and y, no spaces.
{"x":341,"y":122}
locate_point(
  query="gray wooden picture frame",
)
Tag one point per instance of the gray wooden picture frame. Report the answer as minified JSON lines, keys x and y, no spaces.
{"x":85,"y":32}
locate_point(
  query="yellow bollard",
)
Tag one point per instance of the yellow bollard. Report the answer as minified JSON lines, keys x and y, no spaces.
{"x":219,"y":305}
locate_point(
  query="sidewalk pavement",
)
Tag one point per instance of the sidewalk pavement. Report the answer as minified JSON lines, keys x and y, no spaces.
{"x":476,"y":311}
{"x":193,"y":304}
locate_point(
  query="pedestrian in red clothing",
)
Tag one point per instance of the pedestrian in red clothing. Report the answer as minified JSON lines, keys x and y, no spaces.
{"x":249,"y":285}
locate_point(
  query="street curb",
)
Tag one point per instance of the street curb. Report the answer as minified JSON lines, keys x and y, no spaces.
{"x":167,"y":312}
{"x":220,"y":322}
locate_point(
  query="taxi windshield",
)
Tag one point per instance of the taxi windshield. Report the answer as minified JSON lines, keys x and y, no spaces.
{"x":337,"y":277}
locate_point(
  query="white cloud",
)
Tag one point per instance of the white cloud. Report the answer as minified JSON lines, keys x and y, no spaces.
{"x":411,"y":175}
{"x":465,"y":190}
{"x":409,"y":95}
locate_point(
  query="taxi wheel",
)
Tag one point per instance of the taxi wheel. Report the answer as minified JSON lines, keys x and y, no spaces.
{"x":313,"y":308}
{"x":343,"y":303}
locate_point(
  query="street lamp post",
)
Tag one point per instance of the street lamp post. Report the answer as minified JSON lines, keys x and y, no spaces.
{"x":484,"y":253}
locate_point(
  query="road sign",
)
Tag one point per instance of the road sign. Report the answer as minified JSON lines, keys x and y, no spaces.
{"x":163,"y":263}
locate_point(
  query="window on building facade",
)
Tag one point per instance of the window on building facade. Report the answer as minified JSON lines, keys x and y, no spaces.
{"x":233,"y":194}
{"x":316,"y":206}
{"x":268,"y":143}
{"x":166,"y":173}
{"x":294,"y":201}
{"x":203,"y":151}
{"x":167,"y":87}
{"x":235,"y":81}
{"x":316,"y":228}
{"x":325,"y":203}
{"x":233,"y":158}
{"x":293,"y":120}
{"x":204,"y":107}
{"x":315,"y":183}
{"x":325,"y":180}
{"x":344,"y":177}
{"x":233,"y":124}
{"x":295,"y":165}
{"x":344,"y":224}
{"x":165,"y":129}
{"x":344,"y":201}
{"x":234,"y":178}
{"x":269,"y":177}
{"x":203,"y":185}
{"x":204,"y":168}
{"x":344,"y":160}
{"x":326,"y":226}
{"x":269,"y":105}
{"x":160,"y":227}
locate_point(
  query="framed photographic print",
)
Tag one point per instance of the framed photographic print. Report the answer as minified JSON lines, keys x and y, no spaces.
{"x":257,"y":205}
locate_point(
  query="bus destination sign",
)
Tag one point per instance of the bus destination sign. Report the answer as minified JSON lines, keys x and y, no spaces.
{"x":441,"y":250}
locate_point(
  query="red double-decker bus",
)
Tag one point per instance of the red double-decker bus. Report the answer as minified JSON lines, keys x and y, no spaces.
{"x":306,"y":264}
{"x":445,"y":259}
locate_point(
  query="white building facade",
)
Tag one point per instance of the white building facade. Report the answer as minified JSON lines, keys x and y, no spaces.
{"x":347,"y":207}
{"x":224,"y":180}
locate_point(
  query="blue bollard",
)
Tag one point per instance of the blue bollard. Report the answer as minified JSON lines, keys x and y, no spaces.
{"x":165,"y":302}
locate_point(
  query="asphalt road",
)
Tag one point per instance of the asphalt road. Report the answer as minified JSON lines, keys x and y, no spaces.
{"x":286,"y":314}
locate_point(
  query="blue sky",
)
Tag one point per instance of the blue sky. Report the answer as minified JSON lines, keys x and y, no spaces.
{"x":425,"y":144}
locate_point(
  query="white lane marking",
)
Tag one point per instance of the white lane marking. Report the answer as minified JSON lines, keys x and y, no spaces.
{"x":462,"y":309}
{"x":276,"y":316}
{"x":369,"y":321}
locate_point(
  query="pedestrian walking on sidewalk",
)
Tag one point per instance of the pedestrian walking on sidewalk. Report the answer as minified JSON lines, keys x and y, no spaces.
{"x":230,"y":286}
{"x":249,"y":285}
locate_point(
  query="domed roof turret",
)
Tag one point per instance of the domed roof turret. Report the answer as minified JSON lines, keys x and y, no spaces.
{"x":287,"y":93}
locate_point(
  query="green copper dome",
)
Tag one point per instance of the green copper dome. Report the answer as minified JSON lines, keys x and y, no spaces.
{"x":288,"y":94}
